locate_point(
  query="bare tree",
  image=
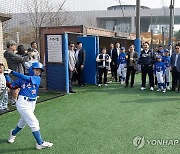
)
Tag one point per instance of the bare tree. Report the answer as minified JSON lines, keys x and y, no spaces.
{"x":41,"y":13}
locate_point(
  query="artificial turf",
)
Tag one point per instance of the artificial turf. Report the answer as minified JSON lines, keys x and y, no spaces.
{"x":100,"y":120}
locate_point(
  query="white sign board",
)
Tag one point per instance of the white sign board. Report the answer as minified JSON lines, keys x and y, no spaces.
{"x":54,"y":47}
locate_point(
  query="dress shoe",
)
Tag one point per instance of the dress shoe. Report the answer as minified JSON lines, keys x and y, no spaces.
{"x":72,"y":91}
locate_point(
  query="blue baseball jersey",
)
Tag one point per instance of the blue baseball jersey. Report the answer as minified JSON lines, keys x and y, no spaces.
{"x":159,"y":53}
{"x":122,"y":58}
{"x":29,"y":85}
{"x":159,"y":66}
{"x":166,"y":60}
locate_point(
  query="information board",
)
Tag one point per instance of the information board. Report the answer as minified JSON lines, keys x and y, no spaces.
{"x":54,"y":47}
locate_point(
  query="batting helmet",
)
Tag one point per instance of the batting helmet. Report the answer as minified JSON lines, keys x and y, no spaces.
{"x":37,"y":65}
{"x":34,"y":66}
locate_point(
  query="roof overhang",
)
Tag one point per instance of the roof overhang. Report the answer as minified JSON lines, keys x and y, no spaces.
{"x":4,"y":17}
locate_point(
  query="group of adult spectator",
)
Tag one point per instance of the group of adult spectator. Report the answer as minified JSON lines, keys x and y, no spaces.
{"x":123,"y":63}
{"x":146,"y":60}
{"x":129,"y":62}
{"x":76,"y":64}
{"x":17,"y":58}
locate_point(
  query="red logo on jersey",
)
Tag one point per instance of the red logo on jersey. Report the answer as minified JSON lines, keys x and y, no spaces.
{"x":29,"y":85}
{"x":33,"y":91}
{"x":23,"y":86}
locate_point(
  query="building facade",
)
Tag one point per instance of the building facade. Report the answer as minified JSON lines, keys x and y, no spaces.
{"x":119,"y":18}
{"x":3,"y":18}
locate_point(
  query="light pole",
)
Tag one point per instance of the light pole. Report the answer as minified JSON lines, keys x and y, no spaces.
{"x":163,"y":37}
{"x":151,"y":39}
{"x":137,"y":41}
{"x":171,"y":24}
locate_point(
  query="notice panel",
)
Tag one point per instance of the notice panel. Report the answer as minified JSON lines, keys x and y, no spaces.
{"x":54,"y":48}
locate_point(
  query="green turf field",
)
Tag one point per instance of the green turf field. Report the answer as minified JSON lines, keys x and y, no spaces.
{"x":101,"y":120}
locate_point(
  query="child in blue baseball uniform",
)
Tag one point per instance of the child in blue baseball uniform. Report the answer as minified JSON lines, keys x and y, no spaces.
{"x":159,"y":70}
{"x":121,"y":71}
{"x":29,"y":86}
{"x":166,"y":60}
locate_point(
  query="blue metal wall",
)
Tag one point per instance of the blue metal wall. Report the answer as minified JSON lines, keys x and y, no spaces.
{"x":57,"y":76}
{"x":91,"y":47}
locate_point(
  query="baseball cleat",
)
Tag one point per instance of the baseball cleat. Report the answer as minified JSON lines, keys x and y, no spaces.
{"x":11,"y":138}
{"x":168,"y":88}
{"x":44,"y":145}
{"x":164,"y":90}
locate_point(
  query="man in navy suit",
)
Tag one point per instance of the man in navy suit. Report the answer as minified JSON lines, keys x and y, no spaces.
{"x":175,"y":68}
{"x":115,"y":54}
{"x":80,"y":58}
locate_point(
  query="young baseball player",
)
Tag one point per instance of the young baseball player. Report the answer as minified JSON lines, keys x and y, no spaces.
{"x":3,"y":91}
{"x":122,"y":65}
{"x":159,"y":70}
{"x":166,"y":60}
{"x":29,"y":86}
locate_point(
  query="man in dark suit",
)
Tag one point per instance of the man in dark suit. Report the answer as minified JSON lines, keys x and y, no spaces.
{"x":175,"y":68}
{"x":115,"y":54}
{"x":132,"y":58}
{"x":111,"y":47}
{"x":80,"y":59}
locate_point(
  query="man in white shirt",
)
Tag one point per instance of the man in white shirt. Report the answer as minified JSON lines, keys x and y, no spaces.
{"x":35,"y":52}
{"x":72,"y":63}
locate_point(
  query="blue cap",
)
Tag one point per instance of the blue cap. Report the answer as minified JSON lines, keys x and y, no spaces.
{"x":159,"y":57}
{"x":122,"y":48}
{"x":166,"y":50}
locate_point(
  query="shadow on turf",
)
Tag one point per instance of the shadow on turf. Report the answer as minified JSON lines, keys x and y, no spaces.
{"x":16,"y":150}
{"x":120,"y":89}
{"x":152,"y":100}
{"x":139,"y":95}
{"x":4,"y":141}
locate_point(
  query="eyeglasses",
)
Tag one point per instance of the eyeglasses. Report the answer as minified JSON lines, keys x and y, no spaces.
{"x":176,"y":48}
{"x":71,"y":45}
